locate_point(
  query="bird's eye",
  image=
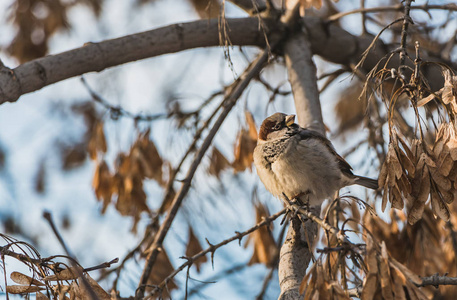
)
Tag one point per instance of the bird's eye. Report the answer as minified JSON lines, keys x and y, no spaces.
{"x":277,"y":126}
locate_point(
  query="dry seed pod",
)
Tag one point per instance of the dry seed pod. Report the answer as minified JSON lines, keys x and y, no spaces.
{"x":23,"y":279}
{"x":23,"y":289}
{"x":67,"y":274}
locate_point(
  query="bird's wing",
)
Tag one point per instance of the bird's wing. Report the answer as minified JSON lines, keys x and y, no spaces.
{"x":310,"y":134}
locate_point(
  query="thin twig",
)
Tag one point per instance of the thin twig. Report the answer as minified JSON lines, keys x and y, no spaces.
{"x":73,"y":261}
{"x":398,"y":7}
{"x":338,"y":233}
{"x":233,"y":94}
{"x":117,"y":111}
{"x":212,"y":248}
{"x":273,"y":265}
{"x":223,"y":274}
{"x":404,"y":35}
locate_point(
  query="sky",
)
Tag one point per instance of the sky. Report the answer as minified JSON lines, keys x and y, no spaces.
{"x":33,"y":125}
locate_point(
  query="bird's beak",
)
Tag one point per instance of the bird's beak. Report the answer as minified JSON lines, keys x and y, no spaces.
{"x":290,"y":119}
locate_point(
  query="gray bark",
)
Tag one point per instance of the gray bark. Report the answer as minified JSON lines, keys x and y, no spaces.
{"x":95,"y":57}
{"x":297,"y":251}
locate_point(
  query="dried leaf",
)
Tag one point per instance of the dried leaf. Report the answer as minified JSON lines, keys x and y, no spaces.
{"x":41,"y":296}
{"x":73,"y":156}
{"x":398,"y":280}
{"x":384,"y":274}
{"x":162,"y":269}
{"x":371,"y":281}
{"x":103,"y":184}
{"x":244,"y":149}
{"x":415,"y":214}
{"x":396,"y":199}
{"x":439,"y":207}
{"x":440,"y":180}
{"x":151,"y":163}
{"x":218,"y":163}
{"x":383,"y":175}
{"x":95,"y":287}
{"x":395,"y":169}
{"x":207,"y":9}
{"x":406,"y":163}
{"x":97,"y":141}
{"x":193,"y":247}
{"x":265,"y":248}
{"x":23,"y":279}
{"x":66,"y":274}
{"x":407,"y":272}
{"x":23,"y":289}
{"x":251,"y":125}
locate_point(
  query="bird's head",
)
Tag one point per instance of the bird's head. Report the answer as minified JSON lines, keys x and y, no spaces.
{"x":275,"y":126}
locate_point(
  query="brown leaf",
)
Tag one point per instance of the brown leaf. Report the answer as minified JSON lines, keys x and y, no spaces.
{"x":406,"y":163}
{"x":407,"y":272}
{"x":41,"y":296}
{"x":23,"y":279}
{"x":371,"y":281}
{"x":415,"y":214}
{"x":23,"y":289}
{"x":218,"y":163}
{"x":244,"y":149}
{"x":439,"y":207}
{"x":383,"y":175}
{"x":193,"y":247}
{"x":398,"y":280}
{"x":445,"y":165}
{"x":162,"y":269}
{"x":349,"y":109}
{"x":384,"y":198}
{"x":73,"y":156}
{"x":207,"y":9}
{"x":396,"y":199}
{"x":97,"y":142}
{"x":384,"y":274}
{"x":150,"y":163}
{"x":66,"y":274}
{"x":95,"y":287}
{"x":395,"y":169}
{"x":103,"y":184}
{"x":265,"y":248}
{"x":251,"y":125}
{"x":440,"y":180}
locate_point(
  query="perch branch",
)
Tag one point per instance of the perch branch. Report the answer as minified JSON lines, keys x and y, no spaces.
{"x":230,"y":101}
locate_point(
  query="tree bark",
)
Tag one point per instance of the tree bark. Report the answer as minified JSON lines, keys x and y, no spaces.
{"x":297,"y":251}
{"x":95,"y":57}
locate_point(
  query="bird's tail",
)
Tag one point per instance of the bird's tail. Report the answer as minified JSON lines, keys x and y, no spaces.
{"x":366,"y":182}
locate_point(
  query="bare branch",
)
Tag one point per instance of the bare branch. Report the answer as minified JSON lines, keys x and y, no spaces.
{"x":230,"y":102}
{"x":398,"y":7}
{"x":237,"y":237}
{"x":95,"y":57}
{"x":437,"y":280}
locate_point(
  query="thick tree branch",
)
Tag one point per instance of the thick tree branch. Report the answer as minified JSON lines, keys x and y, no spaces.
{"x":95,"y":57}
{"x":303,"y":79}
{"x":326,"y":40}
{"x":296,"y":253}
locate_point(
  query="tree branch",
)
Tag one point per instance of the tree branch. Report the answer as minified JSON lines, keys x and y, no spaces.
{"x":296,"y":253}
{"x":95,"y":57}
{"x":230,"y":102}
{"x":437,"y":280}
{"x":213,"y":248}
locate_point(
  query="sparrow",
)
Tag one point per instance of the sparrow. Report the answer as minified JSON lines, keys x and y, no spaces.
{"x":301,"y":163}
